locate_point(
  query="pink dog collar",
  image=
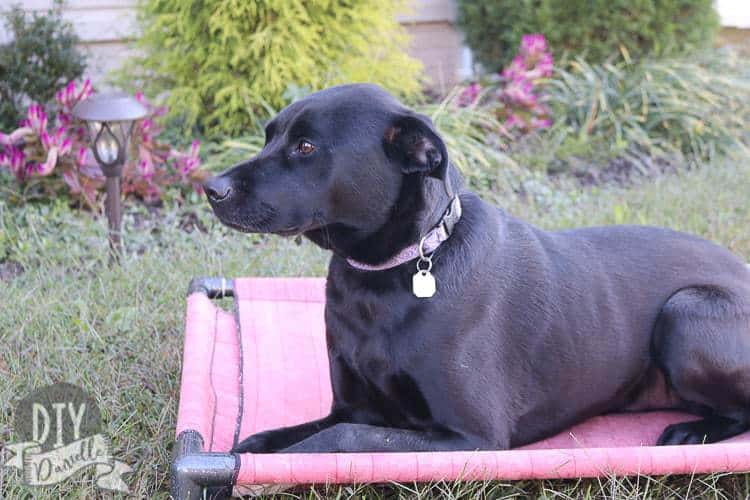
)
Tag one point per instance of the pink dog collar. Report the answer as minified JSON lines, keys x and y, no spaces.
{"x":432,"y":240}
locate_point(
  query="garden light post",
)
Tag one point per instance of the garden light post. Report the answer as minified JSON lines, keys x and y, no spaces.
{"x":110,"y":119}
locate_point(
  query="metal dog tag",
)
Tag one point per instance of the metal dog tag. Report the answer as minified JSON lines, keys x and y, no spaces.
{"x":423,"y":284}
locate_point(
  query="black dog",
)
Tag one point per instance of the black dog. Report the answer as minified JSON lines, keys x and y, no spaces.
{"x":529,"y":331}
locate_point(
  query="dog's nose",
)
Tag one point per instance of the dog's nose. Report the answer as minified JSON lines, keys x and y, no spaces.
{"x":218,"y":188}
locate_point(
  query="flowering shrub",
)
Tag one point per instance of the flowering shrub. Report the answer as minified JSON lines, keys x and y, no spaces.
{"x":515,"y":90}
{"x":155,"y":164}
{"x":54,"y":154}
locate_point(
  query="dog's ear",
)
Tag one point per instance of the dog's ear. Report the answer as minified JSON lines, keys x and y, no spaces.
{"x":412,"y":141}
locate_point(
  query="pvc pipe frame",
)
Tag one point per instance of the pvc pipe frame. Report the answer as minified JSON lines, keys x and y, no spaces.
{"x":194,"y":470}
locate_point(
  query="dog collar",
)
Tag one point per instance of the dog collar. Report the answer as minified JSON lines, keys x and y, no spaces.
{"x":428,"y":243}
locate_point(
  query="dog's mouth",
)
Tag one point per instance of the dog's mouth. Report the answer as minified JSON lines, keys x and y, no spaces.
{"x":264,"y":219}
{"x":239,"y":227}
{"x":288,"y":231}
{"x":297,"y":230}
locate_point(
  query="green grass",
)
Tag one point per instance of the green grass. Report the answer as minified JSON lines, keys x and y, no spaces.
{"x":117,"y":330}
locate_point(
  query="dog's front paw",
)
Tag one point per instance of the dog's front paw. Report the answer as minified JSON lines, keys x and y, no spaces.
{"x":709,"y":430}
{"x":694,"y":432}
{"x":257,"y":443}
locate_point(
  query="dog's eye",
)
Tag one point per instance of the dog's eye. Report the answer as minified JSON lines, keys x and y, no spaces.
{"x":305,"y":147}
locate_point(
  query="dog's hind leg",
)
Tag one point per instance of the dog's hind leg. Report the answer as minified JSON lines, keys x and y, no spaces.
{"x":702,"y":343}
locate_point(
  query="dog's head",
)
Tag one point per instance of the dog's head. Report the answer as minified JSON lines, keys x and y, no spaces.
{"x":338,"y":160}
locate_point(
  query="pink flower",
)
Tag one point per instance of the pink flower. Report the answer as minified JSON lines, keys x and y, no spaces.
{"x":66,"y":146}
{"x":540,"y":123}
{"x":81,"y":156}
{"x":69,"y":96}
{"x":59,"y":135}
{"x":46,"y":168}
{"x":72,"y":181}
{"x":533,"y":43}
{"x":515,"y":121}
{"x":59,"y":140}
{"x":545,"y":65}
{"x":37,"y":118}
{"x":469,"y":95}
{"x":185,"y":163}
{"x":64,"y":119}
{"x":70,"y":91}
{"x":14,"y":160}
{"x":518,"y":64}
{"x":524,"y":106}
{"x":17,"y":158}
{"x":146,"y":164}
{"x":146,"y":124}
{"x":519,"y":92}
{"x":86,"y":90}
{"x":17,"y":135}
{"x":46,"y":141}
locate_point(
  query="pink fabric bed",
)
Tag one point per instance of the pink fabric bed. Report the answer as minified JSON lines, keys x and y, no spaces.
{"x":273,"y":371}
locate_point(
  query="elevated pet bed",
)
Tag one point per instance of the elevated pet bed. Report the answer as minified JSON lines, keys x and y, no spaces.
{"x":265,"y":366}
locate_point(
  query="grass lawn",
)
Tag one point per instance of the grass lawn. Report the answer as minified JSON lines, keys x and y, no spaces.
{"x":117,"y":330}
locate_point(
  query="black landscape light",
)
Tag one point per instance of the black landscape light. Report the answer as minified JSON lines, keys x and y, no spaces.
{"x":110,"y":119}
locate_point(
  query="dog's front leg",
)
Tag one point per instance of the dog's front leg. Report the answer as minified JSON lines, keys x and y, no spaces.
{"x":354,"y":438}
{"x":277,"y":439}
